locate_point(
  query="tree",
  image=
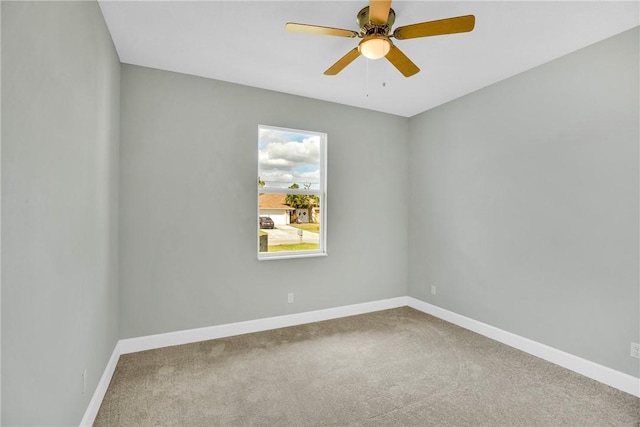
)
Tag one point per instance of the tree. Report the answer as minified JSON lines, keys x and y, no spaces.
{"x":297,"y":201}
{"x":302,"y":201}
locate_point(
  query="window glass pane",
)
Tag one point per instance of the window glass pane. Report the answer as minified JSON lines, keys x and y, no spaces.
{"x":291,"y":193}
{"x":289,"y":222}
{"x":288,"y":158}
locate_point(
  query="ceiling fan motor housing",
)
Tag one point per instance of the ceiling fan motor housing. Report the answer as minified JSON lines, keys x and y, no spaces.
{"x":368,"y":27}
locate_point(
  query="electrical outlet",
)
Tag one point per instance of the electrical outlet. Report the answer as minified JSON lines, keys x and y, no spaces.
{"x":635,"y":350}
{"x":433,"y":290}
{"x":84,"y":381}
{"x":290,"y":298}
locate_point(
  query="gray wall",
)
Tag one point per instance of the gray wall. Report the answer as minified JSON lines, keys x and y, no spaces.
{"x":188,"y":205}
{"x":524,"y":209}
{"x":60,"y":134}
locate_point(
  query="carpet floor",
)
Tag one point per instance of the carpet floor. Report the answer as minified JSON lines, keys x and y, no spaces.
{"x":397,"y":367}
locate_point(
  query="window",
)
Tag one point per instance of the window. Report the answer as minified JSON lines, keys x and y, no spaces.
{"x":292,"y":189}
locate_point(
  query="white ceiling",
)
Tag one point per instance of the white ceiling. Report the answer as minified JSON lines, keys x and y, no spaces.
{"x":245,"y":42}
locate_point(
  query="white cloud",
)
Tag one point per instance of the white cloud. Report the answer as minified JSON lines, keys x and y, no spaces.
{"x":286,"y":158}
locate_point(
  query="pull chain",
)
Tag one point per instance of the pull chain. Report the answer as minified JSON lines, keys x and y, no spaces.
{"x":384,"y":76}
{"x":367,"y":89}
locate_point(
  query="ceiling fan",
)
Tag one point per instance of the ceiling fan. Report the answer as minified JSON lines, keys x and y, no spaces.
{"x":375,"y":23}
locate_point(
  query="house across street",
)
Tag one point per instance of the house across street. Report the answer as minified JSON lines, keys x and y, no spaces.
{"x":275,"y":207}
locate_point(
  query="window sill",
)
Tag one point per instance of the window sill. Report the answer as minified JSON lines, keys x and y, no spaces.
{"x":289,"y":255}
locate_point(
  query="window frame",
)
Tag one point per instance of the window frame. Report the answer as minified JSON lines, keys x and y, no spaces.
{"x":321,"y":192}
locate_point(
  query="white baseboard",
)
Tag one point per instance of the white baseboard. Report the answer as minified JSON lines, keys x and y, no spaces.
{"x":96,"y":400}
{"x":149,"y":342}
{"x":600,"y":373}
{"x":611,"y":377}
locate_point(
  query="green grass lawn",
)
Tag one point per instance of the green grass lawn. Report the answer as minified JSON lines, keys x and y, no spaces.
{"x":294,"y":247}
{"x":314,"y":228}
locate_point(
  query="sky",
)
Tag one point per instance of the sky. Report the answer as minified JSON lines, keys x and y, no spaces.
{"x":286,"y":157}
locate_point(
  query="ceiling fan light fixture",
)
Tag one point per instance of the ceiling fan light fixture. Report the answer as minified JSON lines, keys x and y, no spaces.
{"x":375,"y":46}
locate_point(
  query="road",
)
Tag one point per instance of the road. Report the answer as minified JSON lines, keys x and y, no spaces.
{"x":284,"y":234}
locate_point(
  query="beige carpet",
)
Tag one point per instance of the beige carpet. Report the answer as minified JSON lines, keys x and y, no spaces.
{"x":396,"y":367}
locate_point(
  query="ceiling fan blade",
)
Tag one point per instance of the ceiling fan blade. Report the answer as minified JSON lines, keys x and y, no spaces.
{"x":343,"y":62}
{"x":317,"y":29}
{"x":460,"y":24}
{"x":379,"y":11}
{"x":402,"y":62}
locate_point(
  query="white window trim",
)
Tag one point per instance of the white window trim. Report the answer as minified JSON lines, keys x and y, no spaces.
{"x":321,"y":192}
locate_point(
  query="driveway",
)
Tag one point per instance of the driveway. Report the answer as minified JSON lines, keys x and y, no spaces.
{"x":285,"y":234}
